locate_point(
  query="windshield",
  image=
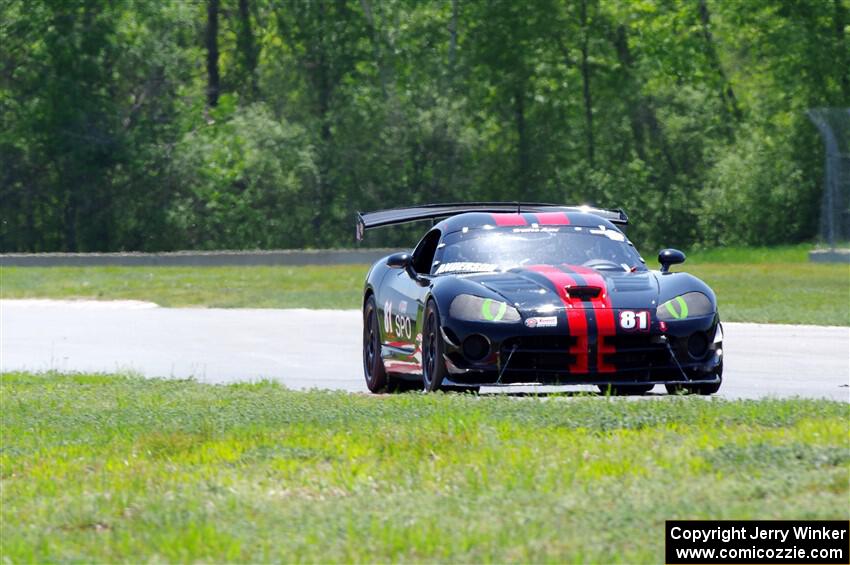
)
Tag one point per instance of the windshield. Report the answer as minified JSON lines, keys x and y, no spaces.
{"x":482,"y":250}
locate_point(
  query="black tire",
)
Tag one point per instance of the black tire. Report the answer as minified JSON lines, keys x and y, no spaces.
{"x":625,"y":390}
{"x":373,"y":364}
{"x":702,"y":389}
{"x":433,"y":365}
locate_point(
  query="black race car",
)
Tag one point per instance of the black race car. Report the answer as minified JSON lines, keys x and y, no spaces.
{"x":508,"y":294}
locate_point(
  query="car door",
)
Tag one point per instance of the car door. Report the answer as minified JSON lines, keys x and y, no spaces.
{"x":402,"y":306}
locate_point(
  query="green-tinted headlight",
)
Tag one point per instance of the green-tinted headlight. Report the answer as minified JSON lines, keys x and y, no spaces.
{"x":689,"y":305}
{"x":476,"y":309}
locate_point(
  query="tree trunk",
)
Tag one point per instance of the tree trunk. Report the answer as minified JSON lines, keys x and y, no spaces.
{"x":522,"y":138}
{"x":585,"y":80}
{"x":621,"y":44}
{"x":843,"y":66}
{"x":70,"y":221}
{"x":323,"y":82}
{"x":245,"y":41}
{"x":452,"y":40}
{"x":213,"y":80}
{"x":27,"y":240}
{"x":726,"y":93}
{"x":642,"y":115}
{"x":376,"y":45}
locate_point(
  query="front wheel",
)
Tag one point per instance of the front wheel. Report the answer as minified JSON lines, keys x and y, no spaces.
{"x":373,"y":364}
{"x":433,"y":364}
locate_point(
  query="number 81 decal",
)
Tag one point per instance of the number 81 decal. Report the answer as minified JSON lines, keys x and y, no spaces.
{"x":634,"y":320}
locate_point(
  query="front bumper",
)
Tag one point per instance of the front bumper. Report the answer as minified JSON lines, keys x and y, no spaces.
{"x":519,"y":356}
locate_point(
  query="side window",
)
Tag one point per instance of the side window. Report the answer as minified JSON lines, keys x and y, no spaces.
{"x":423,"y":256}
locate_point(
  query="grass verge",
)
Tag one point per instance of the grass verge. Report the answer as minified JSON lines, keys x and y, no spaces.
{"x":113,"y":468}
{"x":336,"y":286}
{"x":769,"y":285}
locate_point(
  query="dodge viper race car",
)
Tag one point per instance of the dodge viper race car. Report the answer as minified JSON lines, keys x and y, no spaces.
{"x":506,"y":294}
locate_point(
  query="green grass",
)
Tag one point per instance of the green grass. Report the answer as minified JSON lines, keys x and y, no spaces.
{"x":111,"y":468}
{"x":214,"y":287}
{"x":774,"y":285}
{"x":768,"y":285}
{"x":743,"y":255}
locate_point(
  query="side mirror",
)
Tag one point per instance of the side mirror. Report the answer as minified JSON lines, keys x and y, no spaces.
{"x":669,"y":257}
{"x":399,"y":260}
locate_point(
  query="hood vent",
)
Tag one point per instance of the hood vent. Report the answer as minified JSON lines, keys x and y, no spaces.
{"x":631,"y":283}
{"x":583,"y":292}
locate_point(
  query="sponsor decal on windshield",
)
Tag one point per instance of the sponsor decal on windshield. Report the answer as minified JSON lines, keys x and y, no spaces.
{"x":466,"y":268}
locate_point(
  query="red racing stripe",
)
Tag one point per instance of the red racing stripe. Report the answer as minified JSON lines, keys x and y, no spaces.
{"x":576,"y":320}
{"x":605,"y":325}
{"x":553,"y":219}
{"x":509,"y":220}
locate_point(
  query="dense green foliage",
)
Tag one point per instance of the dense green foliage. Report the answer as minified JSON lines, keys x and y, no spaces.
{"x":100,"y":468}
{"x":779,"y":271}
{"x":252,"y":123}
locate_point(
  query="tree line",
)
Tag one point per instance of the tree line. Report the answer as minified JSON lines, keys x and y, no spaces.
{"x":141,"y":125}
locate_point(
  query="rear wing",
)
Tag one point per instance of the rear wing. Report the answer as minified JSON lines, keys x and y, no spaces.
{"x":395,"y":216}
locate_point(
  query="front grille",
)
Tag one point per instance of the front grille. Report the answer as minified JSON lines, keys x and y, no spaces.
{"x":538,"y":354}
{"x":637,"y":352}
{"x":547,"y":358}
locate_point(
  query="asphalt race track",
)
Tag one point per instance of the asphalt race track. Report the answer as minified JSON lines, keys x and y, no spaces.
{"x":321,"y":348}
